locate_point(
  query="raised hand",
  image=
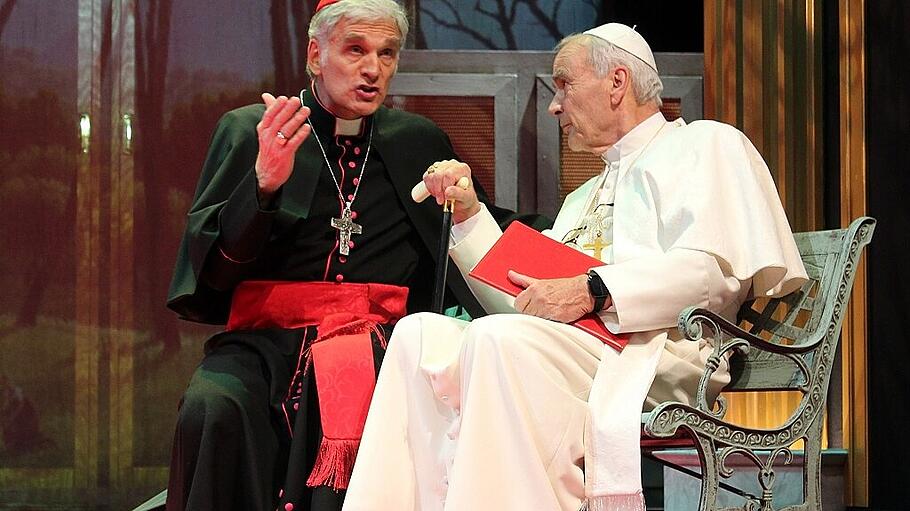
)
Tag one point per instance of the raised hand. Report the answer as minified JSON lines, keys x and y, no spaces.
{"x":281,"y":131}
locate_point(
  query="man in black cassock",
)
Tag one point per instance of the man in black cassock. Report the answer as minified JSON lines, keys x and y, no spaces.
{"x":304,"y":240}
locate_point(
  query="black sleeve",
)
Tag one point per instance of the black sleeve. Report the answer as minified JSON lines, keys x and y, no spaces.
{"x":224,"y":224}
{"x":245,"y":226}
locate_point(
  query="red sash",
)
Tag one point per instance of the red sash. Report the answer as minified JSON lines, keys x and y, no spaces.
{"x":346,"y":315}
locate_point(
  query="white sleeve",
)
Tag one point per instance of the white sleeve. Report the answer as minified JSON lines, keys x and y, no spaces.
{"x":649,"y":292}
{"x":470,"y":241}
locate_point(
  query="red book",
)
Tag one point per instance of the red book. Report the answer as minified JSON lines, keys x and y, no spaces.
{"x":531,"y":253}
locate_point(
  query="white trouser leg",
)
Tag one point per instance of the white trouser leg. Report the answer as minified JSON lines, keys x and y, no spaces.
{"x":524,"y":389}
{"x":486,"y":415}
{"x":403,"y":435}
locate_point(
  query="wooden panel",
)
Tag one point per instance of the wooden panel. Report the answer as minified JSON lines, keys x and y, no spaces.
{"x":762,"y":75}
{"x":469,"y":121}
{"x":853,"y":204}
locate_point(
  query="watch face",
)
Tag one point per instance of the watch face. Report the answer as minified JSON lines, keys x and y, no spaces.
{"x":596,"y":286}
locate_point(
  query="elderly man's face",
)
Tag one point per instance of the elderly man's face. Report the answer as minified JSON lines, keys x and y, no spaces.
{"x":581,"y":102}
{"x":353,"y":70}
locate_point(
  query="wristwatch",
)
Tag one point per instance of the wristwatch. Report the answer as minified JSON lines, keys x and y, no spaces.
{"x":598,"y":290}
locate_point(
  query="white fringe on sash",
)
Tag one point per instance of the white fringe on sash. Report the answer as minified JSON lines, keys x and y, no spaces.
{"x":633,"y":502}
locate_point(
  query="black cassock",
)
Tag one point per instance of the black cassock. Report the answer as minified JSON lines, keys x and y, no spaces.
{"x":232,"y":448}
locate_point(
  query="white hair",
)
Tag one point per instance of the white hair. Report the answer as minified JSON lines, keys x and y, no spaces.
{"x":324,"y":21}
{"x":605,"y":56}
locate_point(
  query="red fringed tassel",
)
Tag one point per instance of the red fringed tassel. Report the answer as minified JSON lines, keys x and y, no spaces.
{"x":355,"y":327}
{"x":334,"y":464}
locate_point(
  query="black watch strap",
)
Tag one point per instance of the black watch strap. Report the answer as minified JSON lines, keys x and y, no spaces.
{"x":598,"y":290}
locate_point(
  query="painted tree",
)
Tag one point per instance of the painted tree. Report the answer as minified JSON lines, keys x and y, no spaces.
{"x":153,"y":244}
{"x":38,"y":167}
{"x":6,"y":10}
{"x":289,"y":22}
{"x":504,"y":14}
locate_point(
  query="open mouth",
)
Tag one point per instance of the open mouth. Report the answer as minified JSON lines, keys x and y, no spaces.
{"x":367,"y":91}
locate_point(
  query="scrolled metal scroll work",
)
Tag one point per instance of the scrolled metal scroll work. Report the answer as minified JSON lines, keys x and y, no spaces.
{"x":788,"y":343}
{"x":765,"y":476}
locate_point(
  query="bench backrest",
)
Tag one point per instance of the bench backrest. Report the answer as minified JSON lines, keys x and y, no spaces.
{"x":810,"y":317}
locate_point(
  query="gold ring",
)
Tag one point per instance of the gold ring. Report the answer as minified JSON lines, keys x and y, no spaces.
{"x":463,"y":182}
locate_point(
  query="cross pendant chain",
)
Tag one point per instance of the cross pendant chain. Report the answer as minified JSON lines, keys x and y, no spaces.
{"x":346,"y":227}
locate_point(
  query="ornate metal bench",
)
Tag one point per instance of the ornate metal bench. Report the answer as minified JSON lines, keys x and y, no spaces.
{"x":781,"y":344}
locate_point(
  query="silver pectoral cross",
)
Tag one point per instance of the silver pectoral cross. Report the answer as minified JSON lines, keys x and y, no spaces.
{"x":346,"y":227}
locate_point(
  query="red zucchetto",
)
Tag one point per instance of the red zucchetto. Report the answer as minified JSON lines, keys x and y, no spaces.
{"x":324,"y":3}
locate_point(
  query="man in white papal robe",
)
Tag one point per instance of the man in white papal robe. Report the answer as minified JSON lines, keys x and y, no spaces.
{"x":520,"y":411}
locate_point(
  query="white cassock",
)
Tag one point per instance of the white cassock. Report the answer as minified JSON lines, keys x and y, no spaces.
{"x":514,"y":413}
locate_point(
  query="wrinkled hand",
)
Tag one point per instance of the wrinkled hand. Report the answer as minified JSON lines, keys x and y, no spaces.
{"x":562,"y":300}
{"x":441,"y":178}
{"x":281,"y":131}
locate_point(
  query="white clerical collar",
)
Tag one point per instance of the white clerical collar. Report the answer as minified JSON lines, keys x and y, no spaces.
{"x":635,"y":139}
{"x":343,"y":127}
{"x":348,"y":127}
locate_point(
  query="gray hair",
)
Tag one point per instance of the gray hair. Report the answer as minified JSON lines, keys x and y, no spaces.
{"x":605,"y":56}
{"x":324,"y":21}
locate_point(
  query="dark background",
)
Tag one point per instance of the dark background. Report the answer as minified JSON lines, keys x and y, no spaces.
{"x":888,"y":189}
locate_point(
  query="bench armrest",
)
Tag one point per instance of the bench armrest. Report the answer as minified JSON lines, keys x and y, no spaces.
{"x":697,"y":323}
{"x":692,"y":321}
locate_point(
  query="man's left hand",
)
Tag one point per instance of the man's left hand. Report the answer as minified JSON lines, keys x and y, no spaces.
{"x":441,"y":181}
{"x":562,"y":300}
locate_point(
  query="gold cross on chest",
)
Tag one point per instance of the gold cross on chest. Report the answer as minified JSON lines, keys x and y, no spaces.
{"x":346,"y":227}
{"x":599,"y":244}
